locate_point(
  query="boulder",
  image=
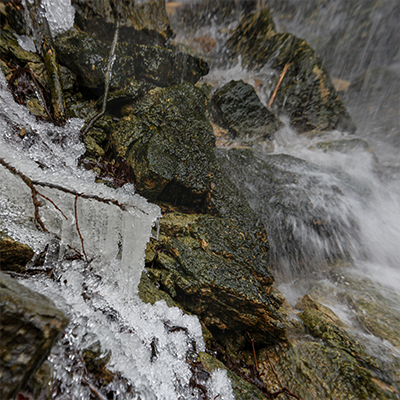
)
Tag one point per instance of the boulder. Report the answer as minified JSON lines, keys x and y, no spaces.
{"x":88,"y":57}
{"x":306,"y":93}
{"x":170,"y":144}
{"x":13,"y":255}
{"x":30,"y":324}
{"x":236,"y":107}
{"x":210,"y":267}
{"x":141,"y":22}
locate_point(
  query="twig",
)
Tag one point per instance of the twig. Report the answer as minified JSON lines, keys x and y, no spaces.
{"x":44,"y":41}
{"x":34,"y":192}
{"x":52,"y":202}
{"x":284,"y":388}
{"x":93,"y":389}
{"x":108,"y":74}
{"x":286,"y":67}
{"x":274,"y":371}
{"x":77,"y":228}
{"x":254,"y":350}
{"x":86,"y":196}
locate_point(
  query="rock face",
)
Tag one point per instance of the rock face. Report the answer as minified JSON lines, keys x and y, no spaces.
{"x":335,"y":365}
{"x":292,"y":198}
{"x":306,"y":92}
{"x":169,"y":142}
{"x":210,"y":266}
{"x":237,"y":107}
{"x":87,"y":57}
{"x":30,"y":324}
{"x":141,"y":22}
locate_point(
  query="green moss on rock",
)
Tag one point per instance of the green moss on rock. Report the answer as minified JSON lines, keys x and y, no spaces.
{"x":208,"y":266}
{"x":306,"y":92}
{"x":242,"y":390}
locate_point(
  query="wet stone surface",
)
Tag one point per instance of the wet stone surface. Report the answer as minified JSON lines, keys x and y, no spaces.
{"x":237,"y":107}
{"x":206,"y":264}
{"x":30,"y":324}
{"x":306,"y":93}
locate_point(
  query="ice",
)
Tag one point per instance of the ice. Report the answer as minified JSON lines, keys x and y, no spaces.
{"x":60,"y":14}
{"x":150,"y":344}
{"x":26,"y":43}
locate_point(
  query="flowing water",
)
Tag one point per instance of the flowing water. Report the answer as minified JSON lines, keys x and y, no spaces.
{"x":356,"y":193}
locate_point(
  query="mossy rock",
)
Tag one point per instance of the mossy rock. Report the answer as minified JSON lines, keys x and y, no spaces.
{"x":323,"y":324}
{"x":306,"y":92}
{"x":242,"y":389}
{"x":237,"y":107}
{"x":149,"y":293}
{"x":12,"y":51}
{"x":375,"y":307}
{"x":30,"y":325}
{"x":140,"y":22}
{"x":14,"y":255}
{"x":312,"y":370}
{"x":210,"y":267}
{"x":88,"y":57}
{"x":169,"y":142}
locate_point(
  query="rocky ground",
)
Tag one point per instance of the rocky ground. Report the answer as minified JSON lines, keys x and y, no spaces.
{"x":212,"y":256}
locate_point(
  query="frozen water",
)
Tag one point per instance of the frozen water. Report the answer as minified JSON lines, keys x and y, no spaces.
{"x":149,"y":344}
{"x":60,"y":14}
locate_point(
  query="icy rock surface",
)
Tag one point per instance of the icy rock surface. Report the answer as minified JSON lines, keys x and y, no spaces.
{"x":149,"y":344}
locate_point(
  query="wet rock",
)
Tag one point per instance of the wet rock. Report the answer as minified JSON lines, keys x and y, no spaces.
{"x":312,"y":370}
{"x":12,"y":51}
{"x":237,"y":107}
{"x":306,"y":93}
{"x":210,"y":265}
{"x":149,"y":293}
{"x":344,"y":145}
{"x":170,"y":144}
{"x":242,"y":390}
{"x":13,"y":255}
{"x":30,"y":324}
{"x":140,"y":22}
{"x":372,"y":311}
{"x":301,"y":228}
{"x":96,"y":362}
{"x":12,"y":16}
{"x":323,"y":324}
{"x":87,"y":57}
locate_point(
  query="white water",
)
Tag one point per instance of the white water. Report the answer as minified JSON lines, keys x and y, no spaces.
{"x":357,"y":191}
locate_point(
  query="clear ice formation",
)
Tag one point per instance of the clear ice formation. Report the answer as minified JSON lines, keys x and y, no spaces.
{"x":149,"y":357}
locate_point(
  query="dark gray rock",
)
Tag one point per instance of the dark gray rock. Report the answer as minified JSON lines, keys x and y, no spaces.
{"x":237,"y":108}
{"x":306,"y":92}
{"x":88,"y":57}
{"x":30,"y":324}
{"x":140,"y":22}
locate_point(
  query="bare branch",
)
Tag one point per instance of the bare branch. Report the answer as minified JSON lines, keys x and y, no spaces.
{"x":107,"y":80}
{"x":286,"y":67}
{"x":77,"y":228}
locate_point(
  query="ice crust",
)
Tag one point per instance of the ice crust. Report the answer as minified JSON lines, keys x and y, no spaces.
{"x":148,"y":353}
